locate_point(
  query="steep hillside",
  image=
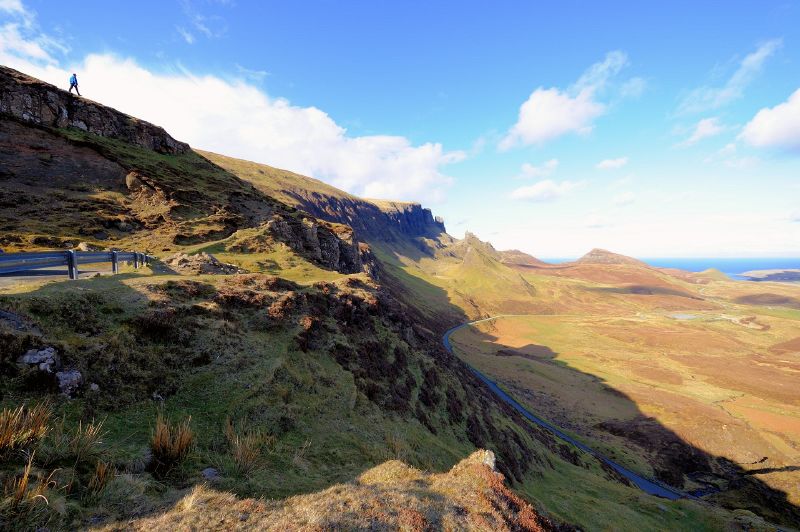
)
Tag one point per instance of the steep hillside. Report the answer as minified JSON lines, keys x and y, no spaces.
{"x":119,"y":394}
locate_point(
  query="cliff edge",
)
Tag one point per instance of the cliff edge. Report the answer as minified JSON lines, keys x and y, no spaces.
{"x":36,"y":102}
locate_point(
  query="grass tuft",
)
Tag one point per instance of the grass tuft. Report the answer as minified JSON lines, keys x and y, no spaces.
{"x":103,"y":473}
{"x":170,"y":444}
{"x":23,"y":503}
{"x":246,"y":449}
{"x":23,"y":426}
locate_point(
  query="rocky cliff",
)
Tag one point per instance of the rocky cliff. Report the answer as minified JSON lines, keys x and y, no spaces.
{"x":33,"y":101}
{"x":372,"y":220}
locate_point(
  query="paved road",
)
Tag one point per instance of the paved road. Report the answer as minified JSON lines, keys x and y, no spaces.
{"x":648,"y":486}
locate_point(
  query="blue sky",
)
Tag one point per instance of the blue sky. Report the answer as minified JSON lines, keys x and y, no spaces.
{"x":549,"y":127}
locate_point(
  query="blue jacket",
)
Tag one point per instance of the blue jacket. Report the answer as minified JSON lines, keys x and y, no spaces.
{"x":73,"y":80}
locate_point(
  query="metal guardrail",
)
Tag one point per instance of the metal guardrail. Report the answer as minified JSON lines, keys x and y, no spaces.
{"x":27,"y":262}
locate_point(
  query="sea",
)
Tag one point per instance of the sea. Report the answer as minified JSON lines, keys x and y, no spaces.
{"x":732,"y":267}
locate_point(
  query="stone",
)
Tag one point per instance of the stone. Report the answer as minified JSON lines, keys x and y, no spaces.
{"x":45,"y":359}
{"x":94,"y":387}
{"x":210,"y":473}
{"x":69,"y":381}
{"x":485,"y":457}
{"x":85,"y":246}
{"x":201,"y":263}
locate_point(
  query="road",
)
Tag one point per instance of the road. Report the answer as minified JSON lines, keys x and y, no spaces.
{"x":650,"y":487}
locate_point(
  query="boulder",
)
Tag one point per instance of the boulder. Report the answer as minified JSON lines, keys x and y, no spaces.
{"x":45,"y":359}
{"x":69,"y":381}
{"x":210,"y":474}
{"x":201,"y":263}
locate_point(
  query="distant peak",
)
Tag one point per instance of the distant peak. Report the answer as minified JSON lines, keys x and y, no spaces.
{"x":603,"y":256}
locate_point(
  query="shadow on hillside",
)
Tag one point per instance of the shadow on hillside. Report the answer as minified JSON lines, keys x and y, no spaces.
{"x":672,"y":457}
{"x":642,"y":290}
{"x":674,"y":461}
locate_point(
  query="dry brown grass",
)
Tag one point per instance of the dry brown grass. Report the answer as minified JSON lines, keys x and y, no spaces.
{"x":23,"y":503}
{"x":246,"y":448}
{"x":103,"y":473}
{"x":170,"y":444}
{"x":86,"y":440}
{"x":392,"y":496}
{"x":23,"y":426}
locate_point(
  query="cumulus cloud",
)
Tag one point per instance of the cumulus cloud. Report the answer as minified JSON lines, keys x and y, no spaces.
{"x":776,"y":127}
{"x":547,"y":190}
{"x":705,"y":128}
{"x":625,"y":198}
{"x":612,"y":164}
{"x":234,"y":117}
{"x":543,"y":170}
{"x":706,"y":98}
{"x":551,"y":113}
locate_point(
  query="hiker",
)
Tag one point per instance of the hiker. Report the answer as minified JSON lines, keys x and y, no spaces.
{"x":73,"y":84}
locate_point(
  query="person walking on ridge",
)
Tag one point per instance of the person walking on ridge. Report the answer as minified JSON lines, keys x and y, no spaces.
{"x":73,"y":84}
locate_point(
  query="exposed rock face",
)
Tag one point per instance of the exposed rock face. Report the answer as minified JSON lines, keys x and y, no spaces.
{"x":412,"y":219}
{"x":202,"y":263}
{"x":34,"y":101}
{"x":386,"y":221}
{"x":333,"y":247}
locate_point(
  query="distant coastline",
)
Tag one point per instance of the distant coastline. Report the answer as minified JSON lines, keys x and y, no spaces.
{"x":735,"y":268}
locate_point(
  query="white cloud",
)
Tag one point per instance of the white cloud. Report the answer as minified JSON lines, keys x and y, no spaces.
{"x":236,"y":118}
{"x":776,"y":127}
{"x":547,"y":190}
{"x":11,"y":6}
{"x":730,"y":157}
{"x":625,"y":198}
{"x":531,"y":171}
{"x":705,"y":128}
{"x":551,"y":113}
{"x":187,"y":35}
{"x":612,"y":164}
{"x":707,"y":98}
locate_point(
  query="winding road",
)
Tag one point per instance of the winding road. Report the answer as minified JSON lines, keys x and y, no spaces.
{"x":650,"y":487}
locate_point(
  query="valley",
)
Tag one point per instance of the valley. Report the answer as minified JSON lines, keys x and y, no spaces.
{"x":304,"y":383}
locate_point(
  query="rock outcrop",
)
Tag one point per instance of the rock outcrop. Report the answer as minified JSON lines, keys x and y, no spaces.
{"x":412,"y":219}
{"x":374,"y":220}
{"x":200,"y":264}
{"x":33,"y":101}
